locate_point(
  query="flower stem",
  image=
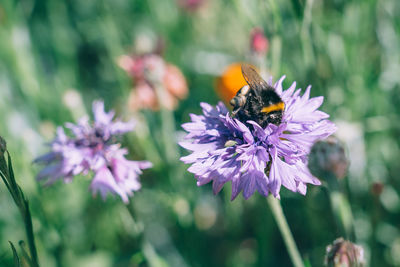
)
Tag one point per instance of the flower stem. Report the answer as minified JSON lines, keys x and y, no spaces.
{"x":342,"y":211}
{"x":167,"y":124}
{"x":340,"y":207}
{"x":150,"y":255}
{"x":138,"y":227}
{"x":283,"y":226}
{"x":305,"y":35}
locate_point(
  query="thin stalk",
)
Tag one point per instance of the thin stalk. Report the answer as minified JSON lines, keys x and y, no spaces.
{"x":283,"y":226}
{"x":138,"y":229}
{"x":276,"y":55}
{"x":167,"y":124}
{"x":149,"y":253}
{"x":305,"y":36}
{"x":340,"y":207}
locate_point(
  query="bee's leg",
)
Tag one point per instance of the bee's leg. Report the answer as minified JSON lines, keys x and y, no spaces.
{"x":235,"y":111}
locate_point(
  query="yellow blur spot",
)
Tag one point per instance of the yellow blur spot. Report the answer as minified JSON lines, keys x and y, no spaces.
{"x":230,"y":82}
{"x":275,"y":107}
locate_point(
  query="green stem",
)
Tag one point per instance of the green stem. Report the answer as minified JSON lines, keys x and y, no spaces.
{"x":276,"y":55}
{"x":342,"y":212}
{"x":283,"y":226}
{"x":26,"y":214}
{"x":340,"y":207}
{"x":138,"y":229}
{"x":149,"y":253}
{"x":168,"y":128}
{"x":305,"y":36}
{"x":167,"y":124}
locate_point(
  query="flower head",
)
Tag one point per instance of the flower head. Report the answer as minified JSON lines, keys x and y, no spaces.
{"x":343,"y":253}
{"x":92,"y":147}
{"x":328,"y":157}
{"x":154,"y":79}
{"x":254,"y":158}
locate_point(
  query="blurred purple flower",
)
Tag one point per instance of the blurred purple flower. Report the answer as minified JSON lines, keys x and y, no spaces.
{"x":93,"y":148}
{"x":226,"y":149}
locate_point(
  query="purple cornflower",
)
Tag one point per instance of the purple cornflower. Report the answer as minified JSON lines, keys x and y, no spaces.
{"x":225,"y":149}
{"x":94,"y":148}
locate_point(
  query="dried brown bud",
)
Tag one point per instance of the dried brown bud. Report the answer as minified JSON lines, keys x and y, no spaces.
{"x":377,"y":188}
{"x":328,"y":157}
{"x":343,"y":253}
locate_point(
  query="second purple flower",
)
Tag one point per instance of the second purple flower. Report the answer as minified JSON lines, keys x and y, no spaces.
{"x":93,"y":147}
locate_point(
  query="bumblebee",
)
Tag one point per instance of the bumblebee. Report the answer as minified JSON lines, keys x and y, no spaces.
{"x":257,"y":101}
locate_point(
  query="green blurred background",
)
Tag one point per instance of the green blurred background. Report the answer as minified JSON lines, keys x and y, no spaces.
{"x":52,"y":50}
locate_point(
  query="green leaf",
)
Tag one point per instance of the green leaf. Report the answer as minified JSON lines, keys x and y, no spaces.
{"x":25,"y":254}
{"x":12,"y":181}
{"x":29,"y":233}
{"x":3,"y":176}
{"x":307,"y":262}
{"x":3,"y":163}
{"x":17,"y":262}
{"x":23,"y":206}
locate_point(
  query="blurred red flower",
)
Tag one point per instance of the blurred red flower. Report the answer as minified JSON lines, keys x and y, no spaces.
{"x":258,"y":42}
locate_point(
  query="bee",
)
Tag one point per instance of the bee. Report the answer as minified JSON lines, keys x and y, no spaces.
{"x":257,"y":101}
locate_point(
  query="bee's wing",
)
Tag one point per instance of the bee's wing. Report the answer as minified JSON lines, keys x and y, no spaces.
{"x":254,"y":79}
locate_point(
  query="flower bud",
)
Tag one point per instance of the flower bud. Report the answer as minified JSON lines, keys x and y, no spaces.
{"x":258,"y":42}
{"x":377,"y":188}
{"x":328,"y":157}
{"x":191,"y":5}
{"x":343,"y":253}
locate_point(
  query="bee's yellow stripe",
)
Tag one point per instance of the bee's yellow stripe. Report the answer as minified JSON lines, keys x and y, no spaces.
{"x":275,"y":107}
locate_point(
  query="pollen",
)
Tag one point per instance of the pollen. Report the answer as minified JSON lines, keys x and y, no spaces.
{"x":274,"y":107}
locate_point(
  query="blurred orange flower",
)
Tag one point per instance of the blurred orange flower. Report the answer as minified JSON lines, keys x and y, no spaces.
{"x":230,"y":82}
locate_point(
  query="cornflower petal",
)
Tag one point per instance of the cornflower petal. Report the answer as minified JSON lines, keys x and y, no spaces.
{"x":104,"y":183}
